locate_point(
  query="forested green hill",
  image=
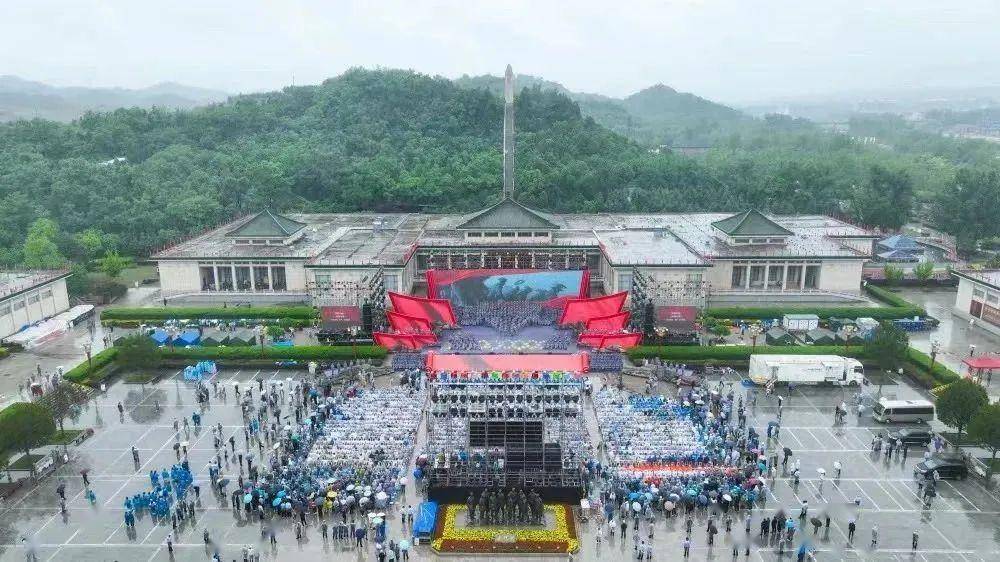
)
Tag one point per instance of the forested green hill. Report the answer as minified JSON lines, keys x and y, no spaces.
{"x":397,"y":140}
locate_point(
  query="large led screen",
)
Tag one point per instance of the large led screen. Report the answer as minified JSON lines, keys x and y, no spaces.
{"x":467,"y":287}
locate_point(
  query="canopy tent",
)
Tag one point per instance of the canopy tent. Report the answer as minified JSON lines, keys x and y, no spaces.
{"x":899,"y":255}
{"x":242,"y":338}
{"x":188,"y":337}
{"x":160,"y":337}
{"x":821,"y":336}
{"x":900,"y":242}
{"x":983,"y":362}
{"x":214,"y":338}
{"x":855,"y":338}
{"x":779,"y":336}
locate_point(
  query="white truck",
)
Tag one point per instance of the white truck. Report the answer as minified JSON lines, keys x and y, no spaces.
{"x":806,"y":369}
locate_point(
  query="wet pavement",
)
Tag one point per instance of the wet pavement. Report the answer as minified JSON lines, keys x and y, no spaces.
{"x":962,"y":524}
{"x":954,"y":333}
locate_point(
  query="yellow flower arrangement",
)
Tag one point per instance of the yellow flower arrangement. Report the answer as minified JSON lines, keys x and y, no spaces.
{"x":561,"y":538}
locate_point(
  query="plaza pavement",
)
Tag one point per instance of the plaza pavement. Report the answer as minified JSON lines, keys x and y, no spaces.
{"x":962,"y":524}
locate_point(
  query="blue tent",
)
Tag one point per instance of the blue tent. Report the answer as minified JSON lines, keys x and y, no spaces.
{"x":188,"y":337}
{"x":161,"y":337}
{"x":901,"y":242}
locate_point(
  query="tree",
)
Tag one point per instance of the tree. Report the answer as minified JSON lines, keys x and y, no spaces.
{"x":25,"y":425}
{"x":985,"y":428}
{"x":275,"y":332}
{"x":112,"y":264}
{"x":138,"y":352}
{"x":91,"y":242}
{"x":889,"y":346}
{"x":884,"y":198}
{"x":78,"y":284}
{"x":63,"y":402}
{"x":924,"y":270}
{"x":893,"y":274}
{"x":40,"y":250}
{"x":959,"y":403}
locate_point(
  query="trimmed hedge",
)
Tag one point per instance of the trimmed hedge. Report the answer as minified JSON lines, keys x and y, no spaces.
{"x":296,"y":353}
{"x":736,"y":353}
{"x":283,"y":322}
{"x":922,"y":362}
{"x":898,"y":308}
{"x":891,"y":298}
{"x":3,"y":352}
{"x":208,"y":312}
{"x":81,"y":374}
{"x":776,"y":312}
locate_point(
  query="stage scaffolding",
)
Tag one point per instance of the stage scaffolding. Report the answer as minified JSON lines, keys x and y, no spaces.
{"x":648,"y":293}
{"x":367,"y":293}
{"x":506,"y":434}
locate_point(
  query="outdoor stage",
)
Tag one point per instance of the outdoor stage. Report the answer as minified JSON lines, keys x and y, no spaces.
{"x":577,"y":362}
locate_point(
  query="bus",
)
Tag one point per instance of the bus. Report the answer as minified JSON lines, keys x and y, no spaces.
{"x":889,"y":411}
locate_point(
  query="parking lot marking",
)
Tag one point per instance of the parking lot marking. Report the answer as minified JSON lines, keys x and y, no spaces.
{"x":959,"y":492}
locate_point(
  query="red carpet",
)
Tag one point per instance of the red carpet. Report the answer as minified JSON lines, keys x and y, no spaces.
{"x":577,"y":362}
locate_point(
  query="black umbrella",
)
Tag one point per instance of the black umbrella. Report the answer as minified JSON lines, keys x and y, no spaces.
{"x":788,"y":452}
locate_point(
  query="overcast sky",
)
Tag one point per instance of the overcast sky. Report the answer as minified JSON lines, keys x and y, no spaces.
{"x":728,"y":50}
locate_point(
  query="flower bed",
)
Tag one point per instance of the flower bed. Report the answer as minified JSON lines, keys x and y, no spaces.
{"x":448,"y":537}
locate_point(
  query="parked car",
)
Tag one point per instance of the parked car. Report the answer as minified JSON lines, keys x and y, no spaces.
{"x":911,"y":436}
{"x":947,"y":465}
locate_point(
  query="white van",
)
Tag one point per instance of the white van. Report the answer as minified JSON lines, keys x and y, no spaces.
{"x":903,"y":411}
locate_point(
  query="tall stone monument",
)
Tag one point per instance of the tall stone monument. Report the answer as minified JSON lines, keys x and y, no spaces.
{"x":508,"y":133}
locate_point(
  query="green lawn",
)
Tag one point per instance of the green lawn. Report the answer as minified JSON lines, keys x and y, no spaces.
{"x":25,"y":462}
{"x":65,"y":437}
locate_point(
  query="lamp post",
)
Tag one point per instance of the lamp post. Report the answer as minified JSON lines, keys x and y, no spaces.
{"x":88,"y":348}
{"x":755,"y":331}
{"x":935,"y":348}
{"x":261,"y":333}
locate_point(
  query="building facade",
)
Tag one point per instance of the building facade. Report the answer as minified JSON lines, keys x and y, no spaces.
{"x":978,"y":297}
{"x":28,"y":297}
{"x":744,"y":258}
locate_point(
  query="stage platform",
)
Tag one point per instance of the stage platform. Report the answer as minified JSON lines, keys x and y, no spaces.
{"x":577,"y":362}
{"x":455,"y":484}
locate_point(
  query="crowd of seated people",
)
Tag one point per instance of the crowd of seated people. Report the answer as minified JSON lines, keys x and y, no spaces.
{"x":606,"y":362}
{"x":463,"y":342}
{"x":403,"y":361}
{"x":508,"y":317}
{"x":559,"y":341}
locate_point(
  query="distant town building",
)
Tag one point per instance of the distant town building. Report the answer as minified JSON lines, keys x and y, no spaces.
{"x":978,"y":297}
{"x":30,"y":296}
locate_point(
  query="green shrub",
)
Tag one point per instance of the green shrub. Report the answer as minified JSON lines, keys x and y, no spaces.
{"x":208,"y":312}
{"x":3,"y":352}
{"x":893,"y":274}
{"x":296,"y":353}
{"x":774,"y":312}
{"x":890,"y":298}
{"x":922,"y":363}
{"x":82,"y":373}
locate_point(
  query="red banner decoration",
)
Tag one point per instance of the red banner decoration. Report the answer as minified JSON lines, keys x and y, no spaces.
{"x":591,"y":340}
{"x":624,"y":341}
{"x":403,"y":323}
{"x":605,"y":341}
{"x":582,"y":310}
{"x":577,"y":362}
{"x":433,"y":310}
{"x":403,"y":341}
{"x":609,"y":323}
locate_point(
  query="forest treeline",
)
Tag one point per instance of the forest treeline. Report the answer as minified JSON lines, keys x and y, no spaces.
{"x":392,"y":140}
